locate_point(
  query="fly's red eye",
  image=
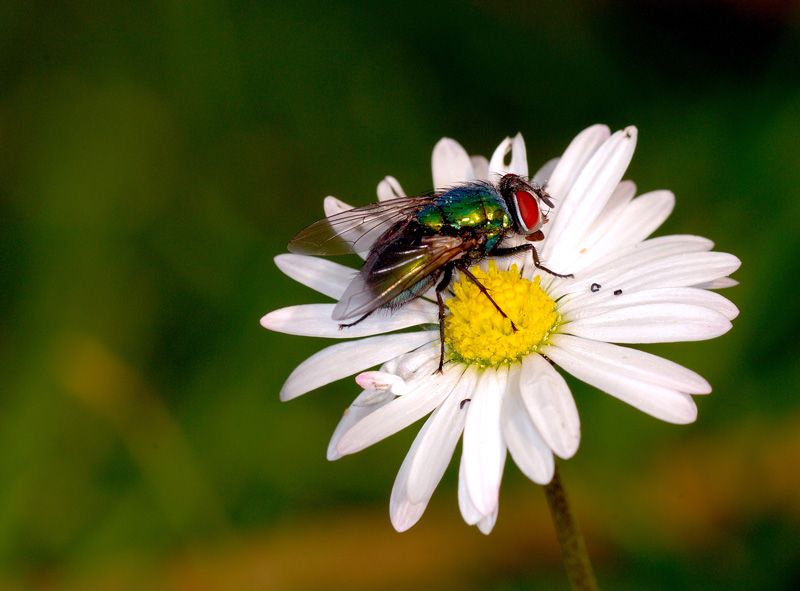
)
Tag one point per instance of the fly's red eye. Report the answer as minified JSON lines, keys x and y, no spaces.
{"x":528,"y":209}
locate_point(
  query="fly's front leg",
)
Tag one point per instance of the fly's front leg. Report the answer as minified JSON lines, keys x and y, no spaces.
{"x":511,"y":251}
{"x":538,"y":265}
{"x":485,"y":292}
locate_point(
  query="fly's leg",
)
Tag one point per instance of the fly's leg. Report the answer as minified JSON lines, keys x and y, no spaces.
{"x":538,"y":265}
{"x":341,"y":326}
{"x":448,"y":274}
{"x":511,"y":251}
{"x":485,"y":292}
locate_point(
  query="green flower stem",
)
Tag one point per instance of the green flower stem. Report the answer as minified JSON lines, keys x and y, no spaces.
{"x":573,"y":549}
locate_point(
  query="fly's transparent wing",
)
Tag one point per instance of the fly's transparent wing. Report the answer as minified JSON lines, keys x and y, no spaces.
{"x":355,"y":230}
{"x":391,"y":270}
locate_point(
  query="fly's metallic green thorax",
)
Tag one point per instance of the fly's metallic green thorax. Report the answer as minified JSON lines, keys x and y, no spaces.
{"x":472,"y":208}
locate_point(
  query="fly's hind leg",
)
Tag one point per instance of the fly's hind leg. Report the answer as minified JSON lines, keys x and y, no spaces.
{"x":349,"y":324}
{"x":448,"y":274}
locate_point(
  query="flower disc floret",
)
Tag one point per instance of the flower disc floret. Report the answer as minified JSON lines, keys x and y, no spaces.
{"x":476,"y":331}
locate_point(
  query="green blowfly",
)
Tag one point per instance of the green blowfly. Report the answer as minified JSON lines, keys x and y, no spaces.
{"x":415,"y":243}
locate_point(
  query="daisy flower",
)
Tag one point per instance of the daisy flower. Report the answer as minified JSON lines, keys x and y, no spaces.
{"x":500,"y":390}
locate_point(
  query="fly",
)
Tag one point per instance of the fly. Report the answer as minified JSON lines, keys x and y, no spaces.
{"x":415,"y":243}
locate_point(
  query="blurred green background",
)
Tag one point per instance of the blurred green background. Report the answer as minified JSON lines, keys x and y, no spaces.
{"x":155,"y":156}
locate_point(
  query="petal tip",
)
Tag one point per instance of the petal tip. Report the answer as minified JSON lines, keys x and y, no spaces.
{"x":403,"y":517}
{"x":266,"y":320}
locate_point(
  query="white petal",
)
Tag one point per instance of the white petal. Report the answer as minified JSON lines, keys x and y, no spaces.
{"x":332,"y":206}
{"x":481,"y":166}
{"x":365,"y":404}
{"x":451,"y":164}
{"x":519,"y":157}
{"x":484,"y":446}
{"x":345,"y":359}
{"x":319,"y":274}
{"x":372,"y":397}
{"x":682,"y":270}
{"x":429,"y":456}
{"x":651,"y":323}
{"x":634,"y":364}
{"x":572,"y":162}
{"x":623,"y":259}
{"x":620,"y":199}
{"x":650,"y":264}
{"x":425,"y":393}
{"x":588,"y":195}
{"x":382,"y":381}
{"x":660,"y":402}
{"x":497,"y":166}
{"x":542,"y":176}
{"x":597,"y":235}
{"x":437,"y":446}
{"x":606,"y":301}
{"x":403,"y":511}
{"x":413,"y":362}
{"x":550,"y":405}
{"x":389,"y":188}
{"x":720,"y":283}
{"x":526,"y":446}
{"x":486,"y":524}
{"x":634,"y":223}
{"x":641,"y":217}
{"x":315,"y":320}
{"x":637,"y":253}
{"x":469,"y":512}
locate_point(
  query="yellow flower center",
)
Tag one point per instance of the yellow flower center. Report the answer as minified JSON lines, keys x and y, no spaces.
{"x":477,"y":332}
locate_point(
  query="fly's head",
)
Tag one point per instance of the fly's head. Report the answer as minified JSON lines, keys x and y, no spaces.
{"x":524,"y":201}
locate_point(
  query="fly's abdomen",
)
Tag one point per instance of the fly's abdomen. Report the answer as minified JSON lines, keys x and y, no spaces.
{"x":413,"y":292}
